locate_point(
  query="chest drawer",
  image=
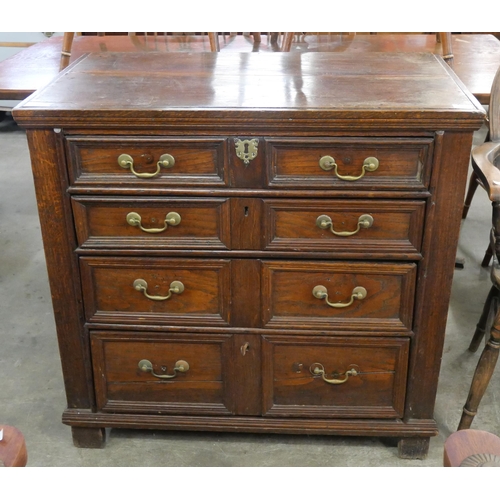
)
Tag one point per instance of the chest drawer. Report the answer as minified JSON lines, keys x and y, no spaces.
{"x":150,"y":374}
{"x":144,"y":162}
{"x":341,"y":296}
{"x":350,"y":163}
{"x":334,"y":377}
{"x":173,"y":291}
{"x":152,"y":223}
{"x":374,"y":227}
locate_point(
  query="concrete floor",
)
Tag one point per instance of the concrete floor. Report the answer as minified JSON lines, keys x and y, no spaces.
{"x":32,"y":394}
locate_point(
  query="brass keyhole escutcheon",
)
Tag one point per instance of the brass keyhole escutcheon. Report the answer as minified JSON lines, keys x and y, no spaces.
{"x":246,"y":149}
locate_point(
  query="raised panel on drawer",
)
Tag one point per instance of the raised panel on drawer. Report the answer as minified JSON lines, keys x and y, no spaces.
{"x":396,"y":227}
{"x":403,"y":163}
{"x":288,"y":300}
{"x":375,"y":390}
{"x":102,"y":222}
{"x":198,"y":161}
{"x":110,"y":296}
{"x":121,"y":386}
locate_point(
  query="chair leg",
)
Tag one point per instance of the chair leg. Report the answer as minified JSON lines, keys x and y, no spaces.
{"x":287,"y":42}
{"x":214,"y":42}
{"x":473,"y":183}
{"x":488,"y":255}
{"x":482,"y":375}
{"x":66,"y":50}
{"x":481,"y":325}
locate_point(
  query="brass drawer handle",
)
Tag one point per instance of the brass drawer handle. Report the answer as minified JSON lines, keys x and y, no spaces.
{"x":141,"y":286}
{"x":180,"y":366}
{"x":320,"y":292}
{"x":319,"y":369}
{"x":171,"y":219}
{"x":325,"y":222}
{"x":369,"y":165}
{"x":126,"y":161}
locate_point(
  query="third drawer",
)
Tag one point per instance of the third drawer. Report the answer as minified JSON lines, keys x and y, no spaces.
{"x":298,"y":295}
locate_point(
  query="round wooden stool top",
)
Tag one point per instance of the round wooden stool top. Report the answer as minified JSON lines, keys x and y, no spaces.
{"x":12,"y":447}
{"x":472,"y":448}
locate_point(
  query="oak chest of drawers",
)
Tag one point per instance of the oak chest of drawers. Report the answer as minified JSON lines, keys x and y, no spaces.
{"x":251,"y":242}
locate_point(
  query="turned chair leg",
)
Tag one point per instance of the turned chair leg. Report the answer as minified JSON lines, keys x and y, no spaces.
{"x":287,"y":42}
{"x":482,"y":375}
{"x":66,"y":50}
{"x":488,"y":255}
{"x":213,"y":38}
{"x":481,"y":325}
{"x":473,"y":183}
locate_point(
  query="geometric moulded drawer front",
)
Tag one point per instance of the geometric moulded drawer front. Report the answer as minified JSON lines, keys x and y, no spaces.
{"x":334,"y":377}
{"x":343,"y":296}
{"x":350,"y":163}
{"x":156,"y":290}
{"x":145,"y":162}
{"x":369,"y":227}
{"x":149,"y":373}
{"x":157,"y":223}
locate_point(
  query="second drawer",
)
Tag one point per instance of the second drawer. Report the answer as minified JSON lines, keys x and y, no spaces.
{"x":155,"y":223}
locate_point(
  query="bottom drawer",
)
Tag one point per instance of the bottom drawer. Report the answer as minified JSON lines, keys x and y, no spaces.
{"x":334,"y":377}
{"x":159,"y":374}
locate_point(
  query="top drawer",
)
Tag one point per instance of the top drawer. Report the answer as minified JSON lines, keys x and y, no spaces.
{"x":350,"y":163}
{"x":146,"y":161}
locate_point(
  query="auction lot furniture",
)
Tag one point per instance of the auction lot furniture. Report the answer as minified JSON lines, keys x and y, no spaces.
{"x":252,"y":243}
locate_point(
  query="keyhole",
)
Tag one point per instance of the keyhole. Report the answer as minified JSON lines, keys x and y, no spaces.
{"x":246,"y":211}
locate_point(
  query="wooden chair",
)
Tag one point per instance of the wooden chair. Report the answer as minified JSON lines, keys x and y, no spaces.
{"x":69,"y":37}
{"x":145,"y":42}
{"x":12,"y":447}
{"x":474,"y":182}
{"x":443,"y":38}
{"x":486,"y":165}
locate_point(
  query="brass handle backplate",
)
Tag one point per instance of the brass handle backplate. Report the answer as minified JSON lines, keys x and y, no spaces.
{"x":369,"y":165}
{"x":320,"y":292}
{"x":141,"y":286}
{"x":180,"y":366}
{"x":325,"y":222}
{"x":165,"y":161}
{"x":319,"y":369}
{"x":171,"y":219}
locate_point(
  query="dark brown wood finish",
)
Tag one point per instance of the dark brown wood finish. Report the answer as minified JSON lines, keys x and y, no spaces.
{"x":248,"y":249}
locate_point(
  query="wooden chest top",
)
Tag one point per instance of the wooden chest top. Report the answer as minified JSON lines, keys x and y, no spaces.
{"x":377,"y":90}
